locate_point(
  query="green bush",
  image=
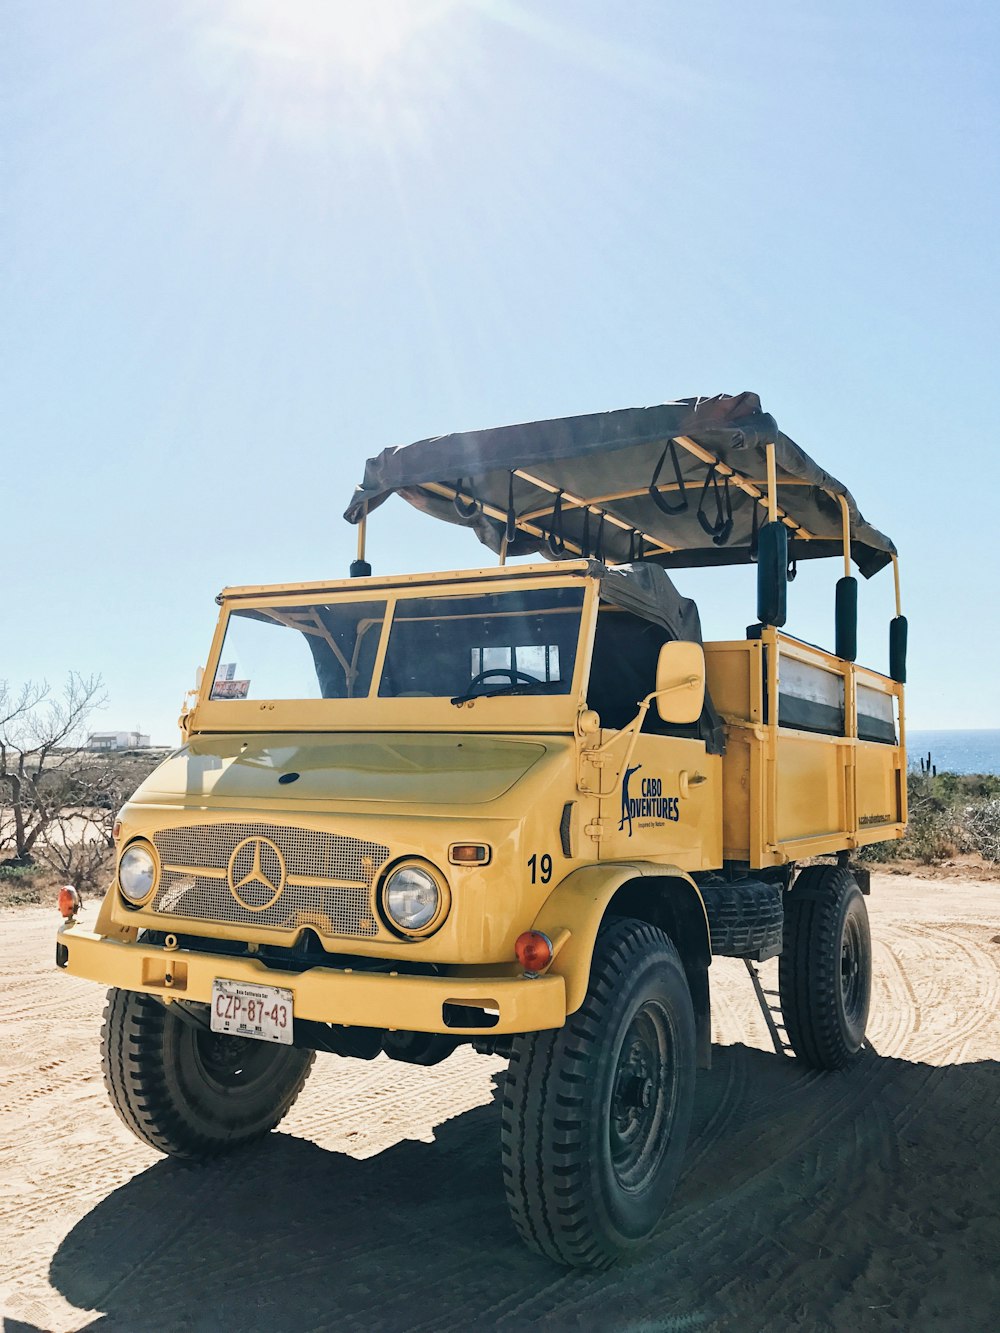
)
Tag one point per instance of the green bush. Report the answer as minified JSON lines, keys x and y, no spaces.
{"x":19,"y":885}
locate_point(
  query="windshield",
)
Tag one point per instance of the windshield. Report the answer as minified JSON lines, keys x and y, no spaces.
{"x":321,"y":651}
{"x":455,"y":647}
{"x":461,"y":647}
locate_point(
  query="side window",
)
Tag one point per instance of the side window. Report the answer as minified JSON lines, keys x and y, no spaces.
{"x":624,"y":667}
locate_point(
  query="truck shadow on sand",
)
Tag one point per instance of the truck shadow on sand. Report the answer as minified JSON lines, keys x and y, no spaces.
{"x":822,"y":1200}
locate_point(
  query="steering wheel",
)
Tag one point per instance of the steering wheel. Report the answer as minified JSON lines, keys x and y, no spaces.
{"x":512,"y":673}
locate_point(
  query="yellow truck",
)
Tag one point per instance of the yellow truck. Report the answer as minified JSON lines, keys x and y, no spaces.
{"x":518,"y":807}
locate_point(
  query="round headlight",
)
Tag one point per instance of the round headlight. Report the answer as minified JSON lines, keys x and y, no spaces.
{"x":413,"y":901}
{"x":136,"y":872}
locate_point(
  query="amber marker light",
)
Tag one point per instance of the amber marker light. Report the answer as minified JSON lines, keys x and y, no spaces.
{"x":469,"y":854}
{"x":69,"y":901}
{"x":116,"y":830}
{"x":533,"y":951}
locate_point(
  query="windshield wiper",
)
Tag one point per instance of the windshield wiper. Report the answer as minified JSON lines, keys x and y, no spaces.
{"x":491,"y":694}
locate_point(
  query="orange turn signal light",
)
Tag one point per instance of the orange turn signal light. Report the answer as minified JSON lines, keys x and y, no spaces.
{"x":533,"y":950}
{"x":69,"y":901}
{"x":469,"y":854}
{"x":116,"y":830}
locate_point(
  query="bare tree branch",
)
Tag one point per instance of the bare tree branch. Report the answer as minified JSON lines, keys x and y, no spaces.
{"x":41,"y":737}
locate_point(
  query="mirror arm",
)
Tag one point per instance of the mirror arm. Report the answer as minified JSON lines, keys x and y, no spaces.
{"x":635,"y":726}
{"x":633,"y":729}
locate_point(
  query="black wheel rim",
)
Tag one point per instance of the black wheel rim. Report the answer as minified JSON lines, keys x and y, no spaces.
{"x":853,"y":979}
{"x":231,"y":1063}
{"x":642,"y":1097}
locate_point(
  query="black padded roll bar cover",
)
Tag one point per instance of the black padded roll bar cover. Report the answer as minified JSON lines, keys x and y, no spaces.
{"x":772,"y":574}
{"x":897,"y":649}
{"x":846,"y":619}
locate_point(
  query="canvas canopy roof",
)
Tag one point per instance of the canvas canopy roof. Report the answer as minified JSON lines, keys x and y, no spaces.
{"x":681,"y":484}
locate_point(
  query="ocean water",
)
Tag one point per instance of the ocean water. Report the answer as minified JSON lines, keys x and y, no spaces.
{"x":955,"y":751}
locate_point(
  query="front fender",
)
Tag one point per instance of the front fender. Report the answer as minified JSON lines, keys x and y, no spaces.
{"x":580,"y":903}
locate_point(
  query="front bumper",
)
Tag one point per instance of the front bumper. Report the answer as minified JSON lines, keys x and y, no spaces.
{"x":322,"y":994}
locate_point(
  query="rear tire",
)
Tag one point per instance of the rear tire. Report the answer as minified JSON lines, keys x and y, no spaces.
{"x":824,"y":972}
{"x":190,"y":1092}
{"x":596,"y":1113}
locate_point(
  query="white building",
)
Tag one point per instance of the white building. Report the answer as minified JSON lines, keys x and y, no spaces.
{"x":117,"y":740}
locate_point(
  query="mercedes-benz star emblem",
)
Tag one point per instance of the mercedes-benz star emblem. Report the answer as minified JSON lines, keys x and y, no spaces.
{"x":256,"y":873}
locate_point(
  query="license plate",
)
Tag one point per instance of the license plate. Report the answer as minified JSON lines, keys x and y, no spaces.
{"x":242,"y":1009}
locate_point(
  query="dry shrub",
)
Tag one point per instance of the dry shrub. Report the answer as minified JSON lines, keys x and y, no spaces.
{"x":950,"y":813}
{"x":86,"y":863}
{"x":982,"y":822}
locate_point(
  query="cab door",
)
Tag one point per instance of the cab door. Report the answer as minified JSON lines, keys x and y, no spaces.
{"x":667,"y":805}
{"x":664,"y":802}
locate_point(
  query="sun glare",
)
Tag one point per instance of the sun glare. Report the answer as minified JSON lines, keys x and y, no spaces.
{"x":363,"y":35}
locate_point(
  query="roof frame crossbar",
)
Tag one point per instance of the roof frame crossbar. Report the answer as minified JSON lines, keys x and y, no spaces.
{"x":526,"y":523}
{"x":757,"y":490}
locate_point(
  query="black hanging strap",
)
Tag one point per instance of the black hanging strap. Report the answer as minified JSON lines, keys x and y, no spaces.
{"x":466,"y":508}
{"x":554,"y":540}
{"x":599,"y":544}
{"x":721,"y":529}
{"x":755,"y":532}
{"x":655,"y":495}
{"x":793,"y":564}
{"x":511,"y":529}
{"x":727,"y":529}
{"x":585,"y":540}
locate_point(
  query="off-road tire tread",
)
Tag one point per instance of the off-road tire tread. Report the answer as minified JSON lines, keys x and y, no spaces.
{"x":544,"y":1151}
{"x":807,"y":984}
{"x":137,"y":1085}
{"x":744,"y":920}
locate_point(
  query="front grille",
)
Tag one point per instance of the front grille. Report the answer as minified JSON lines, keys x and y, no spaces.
{"x":323,"y":855}
{"x":342,"y":905}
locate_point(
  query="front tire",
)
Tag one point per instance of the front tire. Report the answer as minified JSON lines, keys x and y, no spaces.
{"x":596,"y":1113}
{"x":190,"y":1092}
{"x":825,"y":968}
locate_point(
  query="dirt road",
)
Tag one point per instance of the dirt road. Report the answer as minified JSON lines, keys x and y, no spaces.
{"x":866,"y":1200}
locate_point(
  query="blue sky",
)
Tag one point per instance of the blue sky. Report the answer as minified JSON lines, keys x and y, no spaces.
{"x":246,"y":244}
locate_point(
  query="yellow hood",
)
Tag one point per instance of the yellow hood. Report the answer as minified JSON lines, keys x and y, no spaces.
{"x":391,"y":768}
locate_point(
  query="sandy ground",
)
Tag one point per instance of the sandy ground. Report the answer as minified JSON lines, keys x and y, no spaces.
{"x":865,"y":1200}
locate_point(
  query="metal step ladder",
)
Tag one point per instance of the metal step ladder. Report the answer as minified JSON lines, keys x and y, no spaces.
{"x":770,"y":1007}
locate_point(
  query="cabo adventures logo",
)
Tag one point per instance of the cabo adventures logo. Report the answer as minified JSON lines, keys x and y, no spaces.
{"x":649,"y":804}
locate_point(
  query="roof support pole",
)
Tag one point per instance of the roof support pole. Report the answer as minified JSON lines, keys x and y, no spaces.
{"x":772,"y":486}
{"x":847,"y":620}
{"x":846,"y":520}
{"x":360,"y":568}
{"x":895,"y":579}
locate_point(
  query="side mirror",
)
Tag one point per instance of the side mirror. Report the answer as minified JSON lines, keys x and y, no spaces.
{"x":680,"y":682}
{"x":772,"y":574}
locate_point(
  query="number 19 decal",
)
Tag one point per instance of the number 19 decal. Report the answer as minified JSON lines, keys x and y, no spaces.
{"x":540,"y":867}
